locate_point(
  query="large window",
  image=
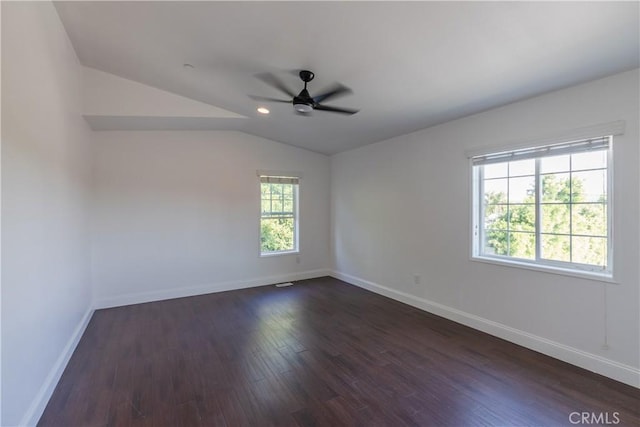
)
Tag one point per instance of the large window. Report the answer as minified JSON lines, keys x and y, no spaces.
{"x":279,"y":214}
{"x":546,"y":205}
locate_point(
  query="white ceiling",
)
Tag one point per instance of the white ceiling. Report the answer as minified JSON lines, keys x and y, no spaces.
{"x":410,"y":64}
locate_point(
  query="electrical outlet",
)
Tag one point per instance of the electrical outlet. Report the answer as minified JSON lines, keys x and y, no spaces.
{"x":416,"y":279}
{"x":605,"y":347}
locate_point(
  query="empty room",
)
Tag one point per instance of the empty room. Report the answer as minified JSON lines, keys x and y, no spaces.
{"x":320,"y":213}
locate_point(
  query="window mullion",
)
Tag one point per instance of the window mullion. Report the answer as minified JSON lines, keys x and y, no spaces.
{"x":271,"y":198}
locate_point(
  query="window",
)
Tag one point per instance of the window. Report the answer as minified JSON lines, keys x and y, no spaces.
{"x":545,"y":205}
{"x":279,"y":214}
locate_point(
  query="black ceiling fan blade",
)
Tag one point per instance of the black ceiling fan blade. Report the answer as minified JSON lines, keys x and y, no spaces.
{"x":335,"y":91}
{"x":335,"y":109}
{"x":265,"y":98}
{"x":275,"y":82}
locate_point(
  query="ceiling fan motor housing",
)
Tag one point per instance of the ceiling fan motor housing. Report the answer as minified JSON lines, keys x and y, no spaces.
{"x":303,"y":103}
{"x":302,"y":106}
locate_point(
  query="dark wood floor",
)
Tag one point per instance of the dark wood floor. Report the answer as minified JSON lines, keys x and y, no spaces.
{"x":319,"y":353}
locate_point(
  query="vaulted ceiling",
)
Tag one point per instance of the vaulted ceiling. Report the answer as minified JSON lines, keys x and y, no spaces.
{"x":410,"y":64}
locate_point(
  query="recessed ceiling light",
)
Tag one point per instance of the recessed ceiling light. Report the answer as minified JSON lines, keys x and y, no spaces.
{"x":263,"y":110}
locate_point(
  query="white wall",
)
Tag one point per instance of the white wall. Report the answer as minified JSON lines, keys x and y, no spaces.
{"x":106,"y":94}
{"x":401,"y":207}
{"x":45,"y":171}
{"x":177,"y":213}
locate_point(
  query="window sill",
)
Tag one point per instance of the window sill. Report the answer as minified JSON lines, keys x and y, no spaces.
{"x":272,"y":254}
{"x":599,"y":277}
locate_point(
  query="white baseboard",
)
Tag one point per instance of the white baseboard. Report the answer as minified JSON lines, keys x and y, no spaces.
{"x":39,"y":403}
{"x":600,"y":365}
{"x":180,"y":292}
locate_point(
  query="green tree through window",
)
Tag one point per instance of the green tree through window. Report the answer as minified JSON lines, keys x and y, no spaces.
{"x":555,"y":244}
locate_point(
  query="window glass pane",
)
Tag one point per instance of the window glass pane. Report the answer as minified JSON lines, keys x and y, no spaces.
{"x":521,"y":190}
{"x":555,"y":219}
{"x":495,"y":217}
{"x":589,"y":250}
{"x":495,"y":242}
{"x":556,"y":188}
{"x":276,"y":190}
{"x":522,"y":167}
{"x":265,"y":190}
{"x":522,"y":245}
{"x":557,"y":248}
{"x":288,"y":206}
{"x":589,"y":219}
{"x":495,"y":191}
{"x":589,"y":160}
{"x":266,"y":206}
{"x":277,"y":206}
{"x":277,"y":234}
{"x":589,"y":186}
{"x":555,"y":164}
{"x":496,"y":170}
{"x":522,"y":217}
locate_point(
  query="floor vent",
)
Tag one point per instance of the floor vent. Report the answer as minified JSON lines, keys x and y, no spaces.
{"x":282,"y":285}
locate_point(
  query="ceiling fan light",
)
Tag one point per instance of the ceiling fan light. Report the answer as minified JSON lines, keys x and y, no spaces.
{"x":303,"y":108}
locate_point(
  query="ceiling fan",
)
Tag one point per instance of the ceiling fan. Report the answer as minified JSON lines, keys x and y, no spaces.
{"x":303,"y":103}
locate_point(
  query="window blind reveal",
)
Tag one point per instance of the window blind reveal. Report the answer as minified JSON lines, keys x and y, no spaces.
{"x":591,"y":144}
{"x":279,"y":179}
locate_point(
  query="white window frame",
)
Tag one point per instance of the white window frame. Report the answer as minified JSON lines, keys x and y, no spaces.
{"x":296,"y":209}
{"x":559,"y":267}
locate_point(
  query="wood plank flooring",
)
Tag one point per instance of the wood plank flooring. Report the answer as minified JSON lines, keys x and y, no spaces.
{"x":320,"y":353}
